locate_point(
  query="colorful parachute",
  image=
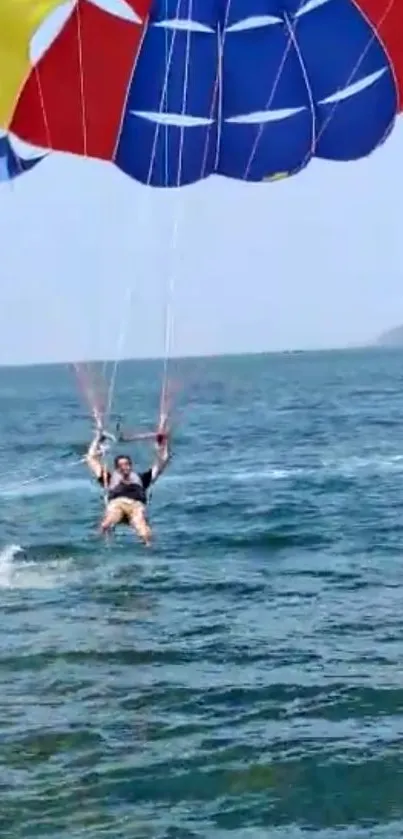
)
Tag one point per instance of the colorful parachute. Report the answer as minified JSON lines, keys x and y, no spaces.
{"x":172,"y":91}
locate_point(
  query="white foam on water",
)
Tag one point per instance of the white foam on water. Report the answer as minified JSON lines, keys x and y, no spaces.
{"x":272,"y":474}
{"x":354,"y":465}
{"x":18,"y":573}
{"x":345,"y":466}
{"x":6,"y":558}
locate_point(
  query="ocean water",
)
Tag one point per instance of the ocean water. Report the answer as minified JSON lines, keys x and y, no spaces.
{"x":243,"y":678}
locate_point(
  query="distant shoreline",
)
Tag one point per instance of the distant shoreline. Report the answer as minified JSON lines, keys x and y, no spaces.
{"x":391,"y":339}
{"x":375,"y":346}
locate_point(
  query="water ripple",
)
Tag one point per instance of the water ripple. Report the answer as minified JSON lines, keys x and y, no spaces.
{"x":243,"y":677}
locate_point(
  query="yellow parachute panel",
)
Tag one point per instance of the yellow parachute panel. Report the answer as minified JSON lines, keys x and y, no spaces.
{"x":19,"y":20}
{"x":278,"y":176}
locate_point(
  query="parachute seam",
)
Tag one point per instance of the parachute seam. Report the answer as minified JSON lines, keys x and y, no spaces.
{"x":145,"y":24}
{"x":82,"y":79}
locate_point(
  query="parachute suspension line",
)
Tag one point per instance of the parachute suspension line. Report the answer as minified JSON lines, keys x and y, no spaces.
{"x":144,"y":219}
{"x":45,"y":475}
{"x":129,"y":293}
{"x":217,"y":91}
{"x":84,"y":377}
{"x":169,"y":324}
{"x":168,"y":303}
{"x":90,"y":392}
{"x":95,"y":389}
{"x":168,"y":307}
{"x":91,"y":381}
{"x":177,"y":223}
{"x":163,"y":98}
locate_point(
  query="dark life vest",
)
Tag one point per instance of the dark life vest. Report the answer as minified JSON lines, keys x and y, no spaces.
{"x":132,"y":487}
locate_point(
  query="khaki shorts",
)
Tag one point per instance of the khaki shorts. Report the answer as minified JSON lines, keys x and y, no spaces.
{"x":126,"y":508}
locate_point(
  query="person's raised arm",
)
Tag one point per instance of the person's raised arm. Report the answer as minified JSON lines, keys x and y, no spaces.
{"x":163,"y":456}
{"x":93,"y":458}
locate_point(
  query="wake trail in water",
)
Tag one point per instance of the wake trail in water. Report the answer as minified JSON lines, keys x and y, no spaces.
{"x":350,"y":466}
{"x":17,"y":571}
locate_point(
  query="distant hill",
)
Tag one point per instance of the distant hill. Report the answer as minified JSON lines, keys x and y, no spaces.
{"x":391,"y":338}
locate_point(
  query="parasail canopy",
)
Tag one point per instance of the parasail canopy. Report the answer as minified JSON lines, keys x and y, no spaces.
{"x":172,"y":91}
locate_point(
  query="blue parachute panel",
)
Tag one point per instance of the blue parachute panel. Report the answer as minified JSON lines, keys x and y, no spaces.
{"x":4,"y":171}
{"x":176,"y":73}
{"x":11,"y":164}
{"x":249,"y":153}
{"x":355,"y":116}
{"x":266,"y":80}
{"x":254,"y":107}
{"x":354,"y":125}
{"x":261,"y":71}
{"x":171,"y":112}
{"x":170,"y":156}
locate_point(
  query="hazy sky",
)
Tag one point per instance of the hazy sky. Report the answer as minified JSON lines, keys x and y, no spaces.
{"x":315,"y":261}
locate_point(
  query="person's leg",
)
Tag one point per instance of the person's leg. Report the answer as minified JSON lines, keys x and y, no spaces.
{"x":114,"y":515}
{"x":139,"y":523}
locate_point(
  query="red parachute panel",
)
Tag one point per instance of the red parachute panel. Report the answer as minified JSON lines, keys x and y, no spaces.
{"x":91,"y":62}
{"x":386,"y":16}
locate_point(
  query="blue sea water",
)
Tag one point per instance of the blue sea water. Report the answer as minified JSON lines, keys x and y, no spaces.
{"x":243,"y":678}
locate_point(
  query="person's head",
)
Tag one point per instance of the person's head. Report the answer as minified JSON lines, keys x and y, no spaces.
{"x":123,"y":464}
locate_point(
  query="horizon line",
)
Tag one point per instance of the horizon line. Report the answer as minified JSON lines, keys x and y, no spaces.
{"x":195,"y":356}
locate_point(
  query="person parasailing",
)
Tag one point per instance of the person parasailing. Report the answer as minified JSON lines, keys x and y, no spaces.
{"x":126,"y":489}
